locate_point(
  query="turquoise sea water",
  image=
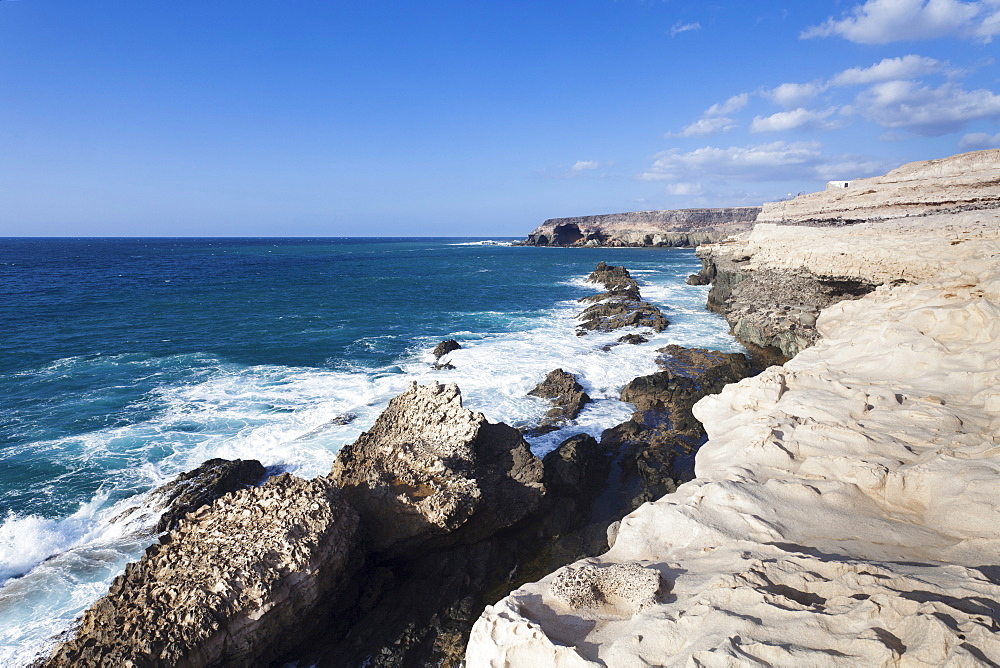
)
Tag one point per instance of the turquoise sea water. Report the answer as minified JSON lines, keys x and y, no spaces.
{"x":124,"y":362}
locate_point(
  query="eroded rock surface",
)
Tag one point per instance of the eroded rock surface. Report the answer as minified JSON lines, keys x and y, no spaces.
{"x":846,"y":509}
{"x":655,"y":448}
{"x":565,"y":393}
{"x":193,"y":489}
{"x":432,"y":473}
{"x":963,"y":182}
{"x":235,"y":584}
{"x":815,"y":250}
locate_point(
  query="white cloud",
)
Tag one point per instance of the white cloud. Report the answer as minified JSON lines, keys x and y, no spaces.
{"x":715,"y":119}
{"x":924,"y":110}
{"x":680,"y":27}
{"x":684,"y":189}
{"x":794,"y":94}
{"x":730,"y":106}
{"x":583,"y":165}
{"x":884,"y":21}
{"x":979,"y":140}
{"x":709,"y":125}
{"x":905,"y":67}
{"x":774,"y":161}
{"x":796,"y":118}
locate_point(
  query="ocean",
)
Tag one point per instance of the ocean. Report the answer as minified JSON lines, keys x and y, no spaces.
{"x":124,"y":362}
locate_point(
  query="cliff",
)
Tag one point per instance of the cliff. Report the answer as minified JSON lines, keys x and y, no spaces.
{"x":963,"y":182}
{"x":846,"y":509}
{"x":911,"y":225}
{"x":682,"y":227}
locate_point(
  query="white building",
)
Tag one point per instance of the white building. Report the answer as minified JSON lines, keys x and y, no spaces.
{"x":837,"y":185}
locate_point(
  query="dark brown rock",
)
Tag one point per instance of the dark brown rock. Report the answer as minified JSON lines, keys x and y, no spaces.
{"x":656,"y":446}
{"x":566,"y":395}
{"x":620,"y":306}
{"x":193,"y":489}
{"x":445,"y":347}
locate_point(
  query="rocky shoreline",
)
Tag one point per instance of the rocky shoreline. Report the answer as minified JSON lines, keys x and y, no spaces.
{"x":427,"y":518}
{"x":844,"y":510}
{"x":841,"y":510}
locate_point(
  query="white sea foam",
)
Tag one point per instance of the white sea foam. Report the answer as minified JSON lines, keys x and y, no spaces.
{"x":485,"y":242}
{"x":296,"y":419}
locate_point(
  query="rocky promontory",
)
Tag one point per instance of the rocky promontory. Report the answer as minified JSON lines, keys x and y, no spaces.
{"x":845,"y":509}
{"x":680,"y":227}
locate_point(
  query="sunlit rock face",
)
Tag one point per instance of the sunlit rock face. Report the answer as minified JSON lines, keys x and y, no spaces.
{"x":237,"y":582}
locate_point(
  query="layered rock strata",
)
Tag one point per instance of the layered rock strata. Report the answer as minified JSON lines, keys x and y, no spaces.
{"x":962,"y":182}
{"x":620,"y":305}
{"x":682,"y":227}
{"x":771,"y":283}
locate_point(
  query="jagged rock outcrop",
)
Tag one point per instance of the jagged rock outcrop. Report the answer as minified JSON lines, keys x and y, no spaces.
{"x":845,"y":510}
{"x":431,"y":473}
{"x":681,"y":227}
{"x":442,"y":349}
{"x":655,"y":448}
{"x":193,"y":489}
{"x":236,"y":583}
{"x":566,"y":395}
{"x":620,"y":305}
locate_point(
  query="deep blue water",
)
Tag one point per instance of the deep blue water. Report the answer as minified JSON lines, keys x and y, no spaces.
{"x":126,"y":361}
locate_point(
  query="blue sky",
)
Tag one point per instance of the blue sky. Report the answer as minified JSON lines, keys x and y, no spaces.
{"x":435,"y":118}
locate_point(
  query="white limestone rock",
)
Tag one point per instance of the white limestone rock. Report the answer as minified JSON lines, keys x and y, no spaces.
{"x":847,"y":506}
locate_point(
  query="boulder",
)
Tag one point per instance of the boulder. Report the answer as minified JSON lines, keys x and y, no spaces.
{"x":656,"y":447}
{"x":566,"y":395}
{"x":431,"y":473}
{"x":445,"y":347}
{"x":193,"y":489}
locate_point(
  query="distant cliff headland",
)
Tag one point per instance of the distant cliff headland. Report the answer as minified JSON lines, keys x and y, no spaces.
{"x":965,"y":182}
{"x":680,"y":227}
